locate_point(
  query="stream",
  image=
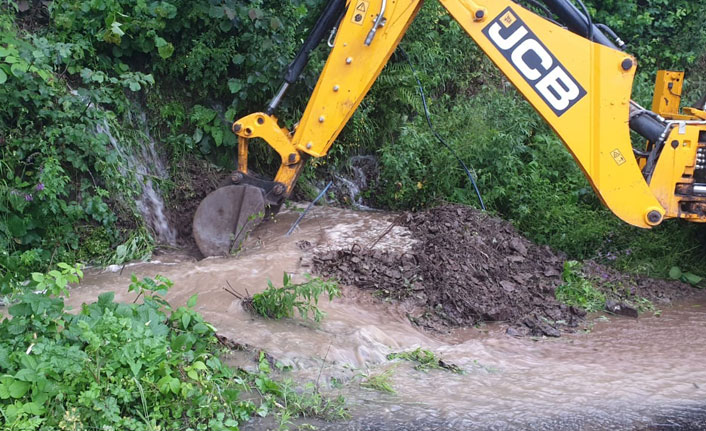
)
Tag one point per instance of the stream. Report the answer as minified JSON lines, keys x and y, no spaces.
{"x":618,"y":373}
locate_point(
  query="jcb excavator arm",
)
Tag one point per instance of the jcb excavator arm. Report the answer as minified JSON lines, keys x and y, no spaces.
{"x":575,"y":77}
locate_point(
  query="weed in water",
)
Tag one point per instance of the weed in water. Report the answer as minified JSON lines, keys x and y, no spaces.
{"x":286,"y":401}
{"x":381,"y":382}
{"x":280,"y":302}
{"x":425,"y":360}
{"x":577,"y":291}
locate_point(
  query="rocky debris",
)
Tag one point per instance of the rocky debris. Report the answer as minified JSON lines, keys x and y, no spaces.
{"x":621,"y":309}
{"x":468,"y":267}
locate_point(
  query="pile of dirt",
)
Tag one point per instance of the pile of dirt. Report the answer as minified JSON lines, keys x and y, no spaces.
{"x":468,"y":267}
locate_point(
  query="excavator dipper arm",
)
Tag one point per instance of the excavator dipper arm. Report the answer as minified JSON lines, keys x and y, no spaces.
{"x":575,"y":78}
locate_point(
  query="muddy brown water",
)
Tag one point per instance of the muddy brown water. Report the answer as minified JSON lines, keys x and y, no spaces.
{"x":621,"y":373}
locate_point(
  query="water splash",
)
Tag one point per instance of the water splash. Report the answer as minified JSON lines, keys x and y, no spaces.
{"x":144,"y":161}
{"x":362,"y":168}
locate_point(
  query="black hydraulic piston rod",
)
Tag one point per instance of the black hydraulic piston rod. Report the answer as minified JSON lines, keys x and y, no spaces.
{"x":329,"y":17}
{"x":643,"y":122}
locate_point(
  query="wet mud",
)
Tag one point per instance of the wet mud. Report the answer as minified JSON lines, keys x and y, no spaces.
{"x":614,"y":373}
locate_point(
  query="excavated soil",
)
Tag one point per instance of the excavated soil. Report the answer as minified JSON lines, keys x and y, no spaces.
{"x":467,"y":267}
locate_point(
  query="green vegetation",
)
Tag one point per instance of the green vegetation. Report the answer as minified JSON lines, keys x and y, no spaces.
{"x":287,"y":401}
{"x":280,"y":302}
{"x":578,"y":291}
{"x":381,"y":382}
{"x":687,"y":277}
{"x":425,"y":360}
{"x":133,"y":366}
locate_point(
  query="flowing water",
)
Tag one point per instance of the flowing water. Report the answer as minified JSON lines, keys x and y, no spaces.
{"x":144,"y":162}
{"x":622,"y":374}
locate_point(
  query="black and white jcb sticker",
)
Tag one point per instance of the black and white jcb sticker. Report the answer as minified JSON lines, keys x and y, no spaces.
{"x":537,"y":65}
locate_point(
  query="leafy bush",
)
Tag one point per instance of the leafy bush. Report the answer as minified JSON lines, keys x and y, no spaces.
{"x":288,"y":401}
{"x":60,"y":177}
{"x":119,"y":366}
{"x":647,"y":26}
{"x":280,"y":302}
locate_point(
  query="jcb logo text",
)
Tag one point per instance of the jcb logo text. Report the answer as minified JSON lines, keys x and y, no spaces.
{"x":537,"y":65}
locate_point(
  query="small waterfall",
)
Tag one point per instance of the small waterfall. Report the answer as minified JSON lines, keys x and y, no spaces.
{"x":363,"y":168}
{"x":144,"y":161}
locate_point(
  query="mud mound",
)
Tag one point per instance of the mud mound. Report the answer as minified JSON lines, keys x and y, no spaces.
{"x":468,"y":267}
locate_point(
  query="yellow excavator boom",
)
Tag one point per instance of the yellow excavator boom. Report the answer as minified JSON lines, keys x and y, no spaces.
{"x":576,"y":78}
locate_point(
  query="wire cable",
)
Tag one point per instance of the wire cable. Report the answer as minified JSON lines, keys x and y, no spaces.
{"x":303,"y":214}
{"x":435,"y":133}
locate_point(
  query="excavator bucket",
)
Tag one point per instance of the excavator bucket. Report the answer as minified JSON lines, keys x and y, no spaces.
{"x":225,"y":218}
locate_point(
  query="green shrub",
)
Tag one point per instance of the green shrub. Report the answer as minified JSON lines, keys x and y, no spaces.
{"x":578,"y":291}
{"x":139,"y":366}
{"x":280,"y":302}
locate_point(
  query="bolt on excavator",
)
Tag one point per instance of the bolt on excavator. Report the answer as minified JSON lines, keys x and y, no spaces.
{"x":574,"y":72}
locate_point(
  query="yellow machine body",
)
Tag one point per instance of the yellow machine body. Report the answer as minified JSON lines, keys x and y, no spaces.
{"x":581,"y":88}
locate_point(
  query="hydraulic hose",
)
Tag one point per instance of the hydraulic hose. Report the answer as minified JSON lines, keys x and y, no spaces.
{"x":329,"y":17}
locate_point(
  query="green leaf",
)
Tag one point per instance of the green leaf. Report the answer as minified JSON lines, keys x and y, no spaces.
{"x":235,"y":85}
{"x":135,"y":367}
{"x":3,"y":77}
{"x":166,"y":51}
{"x":115,"y":29}
{"x":191,"y":303}
{"x":200,"y":328}
{"x":179,"y":342}
{"x":21,"y":309}
{"x":217,"y":134}
{"x":185,"y":320}
{"x":33,"y":408}
{"x":18,"y":389}
{"x":691,"y":278}
{"x":134,"y":86}
{"x":19,"y":69}
{"x":174,"y":385}
{"x":198,"y":365}
{"x":26,"y":375}
{"x":216,"y":12}
{"x":4,"y":392}
{"x":198,"y":135}
{"x":675,"y":273}
{"x":163,"y":384}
